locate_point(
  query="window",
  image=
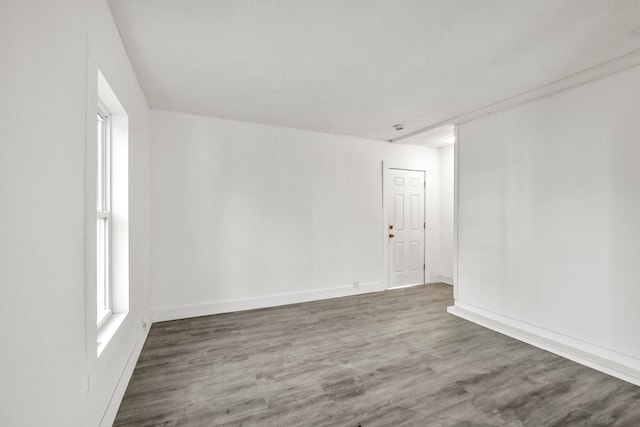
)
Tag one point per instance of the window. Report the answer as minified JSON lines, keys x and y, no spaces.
{"x":103,"y":215}
{"x":110,"y":167}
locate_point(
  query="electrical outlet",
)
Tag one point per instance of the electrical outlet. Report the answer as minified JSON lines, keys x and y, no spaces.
{"x":356,"y":284}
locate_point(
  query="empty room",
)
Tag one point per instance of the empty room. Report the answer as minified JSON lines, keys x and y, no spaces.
{"x":358,"y":213}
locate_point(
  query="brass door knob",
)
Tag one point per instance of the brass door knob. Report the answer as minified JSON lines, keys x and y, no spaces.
{"x":392,"y":235}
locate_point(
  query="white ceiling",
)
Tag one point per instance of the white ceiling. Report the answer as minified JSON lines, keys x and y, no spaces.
{"x":358,"y":67}
{"x":434,"y":138}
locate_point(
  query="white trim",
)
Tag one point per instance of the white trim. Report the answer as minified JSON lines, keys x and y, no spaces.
{"x":407,"y":286}
{"x":596,"y":72}
{"x":442,"y":279}
{"x":407,"y":164}
{"x":385,"y":229}
{"x":103,"y":215}
{"x":108,"y":328}
{"x":110,"y":412}
{"x":104,"y":320}
{"x":411,"y":165}
{"x":161,"y":314}
{"x":619,"y":365}
{"x":456,"y":212}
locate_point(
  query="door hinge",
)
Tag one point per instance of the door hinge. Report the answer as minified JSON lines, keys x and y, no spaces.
{"x":425,"y":225}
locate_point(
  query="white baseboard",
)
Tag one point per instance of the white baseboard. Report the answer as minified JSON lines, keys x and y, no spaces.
{"x":162,"y":314}
{"x":446,"y":279}
{"x":110,"y":413}
{"x":619,"y":365}
{"x":442,"y":278}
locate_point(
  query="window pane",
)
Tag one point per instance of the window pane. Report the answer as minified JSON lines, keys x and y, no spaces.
{"x":100,"y":152}
{"x":102,"y":269}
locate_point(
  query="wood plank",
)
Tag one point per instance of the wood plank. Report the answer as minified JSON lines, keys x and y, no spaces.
{"x":393,"y":358}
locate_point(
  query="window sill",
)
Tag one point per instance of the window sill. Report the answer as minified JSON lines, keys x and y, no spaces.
{"x":108,"y":330}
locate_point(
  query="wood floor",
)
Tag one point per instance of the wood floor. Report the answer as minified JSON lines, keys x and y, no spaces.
{"x":393,"y":358}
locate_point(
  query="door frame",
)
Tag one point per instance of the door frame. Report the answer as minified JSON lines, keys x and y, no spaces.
{"x":404,"y":165}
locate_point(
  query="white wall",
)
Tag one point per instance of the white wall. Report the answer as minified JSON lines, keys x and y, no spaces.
{"x":549,"y":222}
{"x":249,"y":215}
{"x":446,"y":214}
{"x":49,"y":372}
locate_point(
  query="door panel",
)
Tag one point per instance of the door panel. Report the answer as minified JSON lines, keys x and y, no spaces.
{"x":406,"y":210}
{"x":398,"y":257}
{"x":398,"y":211}
{"x":414,"y":255}
{"x":416,"y":220}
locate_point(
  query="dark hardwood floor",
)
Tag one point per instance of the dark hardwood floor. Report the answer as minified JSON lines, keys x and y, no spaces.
{"x":393,"y":358}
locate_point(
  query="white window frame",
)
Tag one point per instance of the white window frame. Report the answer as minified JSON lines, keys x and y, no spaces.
{"x":103,"y":217}
{"x":108,"y":209}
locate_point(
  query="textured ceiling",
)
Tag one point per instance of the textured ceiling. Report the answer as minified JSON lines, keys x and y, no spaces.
{"x":358,"y":67}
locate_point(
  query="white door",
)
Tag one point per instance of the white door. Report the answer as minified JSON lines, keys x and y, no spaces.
{"x":406,"y":227}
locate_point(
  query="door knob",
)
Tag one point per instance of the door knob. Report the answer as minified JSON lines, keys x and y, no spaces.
{"x":392,"y":235}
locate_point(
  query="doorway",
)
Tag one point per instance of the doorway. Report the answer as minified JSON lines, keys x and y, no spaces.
{"x":405,"y":226}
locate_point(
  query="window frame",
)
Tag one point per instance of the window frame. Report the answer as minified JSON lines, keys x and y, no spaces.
{"x":104,"y":223}
{"x":111,"y":180}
